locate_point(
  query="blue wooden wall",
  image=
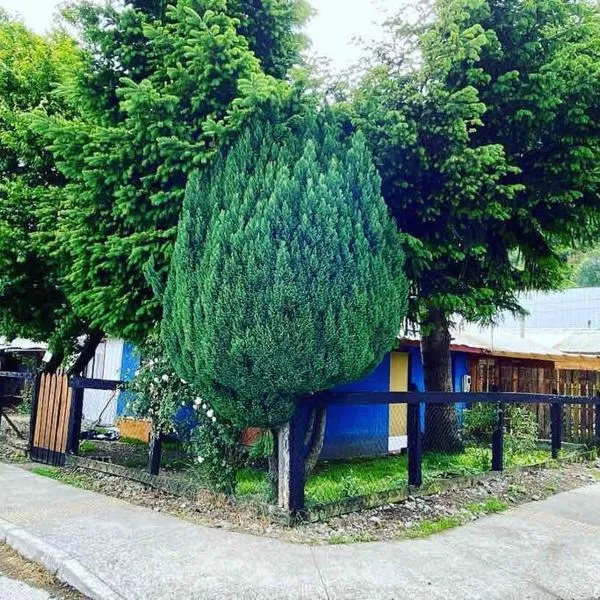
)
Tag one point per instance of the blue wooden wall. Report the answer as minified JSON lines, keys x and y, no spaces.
{"x":359,"y":430}
{"x":130,"y":362}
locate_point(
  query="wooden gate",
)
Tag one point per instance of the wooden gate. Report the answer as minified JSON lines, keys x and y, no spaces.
{"x":50,"y":419}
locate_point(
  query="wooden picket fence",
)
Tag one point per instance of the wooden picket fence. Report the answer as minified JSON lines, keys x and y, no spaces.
{"x":51,"y":413}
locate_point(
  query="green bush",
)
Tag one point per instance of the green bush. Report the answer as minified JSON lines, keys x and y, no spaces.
{"x":521,"y":427}
{"x":159,"y":394}
{"x":286,"y":276}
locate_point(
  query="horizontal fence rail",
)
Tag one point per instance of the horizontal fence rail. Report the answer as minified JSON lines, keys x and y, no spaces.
{"x":87,"y":383}
{"x":16,"y":375}
{"x":350,"y":398}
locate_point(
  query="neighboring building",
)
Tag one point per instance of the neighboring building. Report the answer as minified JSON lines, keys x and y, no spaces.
{"x":570,"y":309}
{"x":115,"y":360}
{"x":22,"y":356}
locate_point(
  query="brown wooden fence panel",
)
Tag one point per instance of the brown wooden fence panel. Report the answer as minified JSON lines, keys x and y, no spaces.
{"x":52,"y":414}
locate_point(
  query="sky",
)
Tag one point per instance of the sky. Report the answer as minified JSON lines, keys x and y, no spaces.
{"x":332,"y":30}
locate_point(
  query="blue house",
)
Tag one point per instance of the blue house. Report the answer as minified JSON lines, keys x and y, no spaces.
{"x":372,"y":430}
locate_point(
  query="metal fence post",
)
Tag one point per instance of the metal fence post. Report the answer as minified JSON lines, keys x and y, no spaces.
{"x":498,"y":441}
{"x":415,"y":450}
{"x":34,"y":406}
{"x":556,"y":425}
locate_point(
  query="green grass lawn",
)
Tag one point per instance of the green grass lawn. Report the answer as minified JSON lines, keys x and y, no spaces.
{"x":334,"y":481}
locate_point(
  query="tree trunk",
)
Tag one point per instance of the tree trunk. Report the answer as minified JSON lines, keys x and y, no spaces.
{"x":273,"y":462}
{"x":87,"y":352}
{"x":313,"y":441}
{"x":54,"y":363}
{"x":441,"y":423}
{"x":315,"y":436}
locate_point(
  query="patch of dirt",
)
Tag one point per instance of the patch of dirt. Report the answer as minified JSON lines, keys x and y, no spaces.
{"x":388,"y":522}
{"x":16,"y":567}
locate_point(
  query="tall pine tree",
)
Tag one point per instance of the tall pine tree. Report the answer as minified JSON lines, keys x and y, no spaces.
{"x":163,"y":85}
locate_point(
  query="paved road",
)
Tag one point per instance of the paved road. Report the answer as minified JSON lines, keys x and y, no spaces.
{"x":543,"y":550}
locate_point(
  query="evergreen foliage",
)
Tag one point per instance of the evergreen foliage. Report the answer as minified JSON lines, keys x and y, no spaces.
{"x":483,"y":119}
{"x":286,"y":277}
{"x":162,"y":86}
{"x":32,"y":304}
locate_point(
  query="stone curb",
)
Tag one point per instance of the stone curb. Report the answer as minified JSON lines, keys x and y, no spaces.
{"x":60,"y":564}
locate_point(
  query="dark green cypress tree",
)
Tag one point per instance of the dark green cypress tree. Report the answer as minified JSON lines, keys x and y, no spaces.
{"x":286,"y":277}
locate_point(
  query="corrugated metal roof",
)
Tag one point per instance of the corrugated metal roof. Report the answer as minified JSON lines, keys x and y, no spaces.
{"x":493,"y":339}
{"x":573,"y":341}
{"x":574,"y":308}
{"x":21,"y":344}
{"x":552,"y":345}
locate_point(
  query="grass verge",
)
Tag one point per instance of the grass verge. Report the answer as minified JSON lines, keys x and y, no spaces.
{"x":334,"y":481}
{"x":58,"y":475}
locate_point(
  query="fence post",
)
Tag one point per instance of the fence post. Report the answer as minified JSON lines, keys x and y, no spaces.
{"x":34,"y":406}
{"x":155,"y":453}
{"x":556,"y":425}
{"x":415,"y":450}
{"x":498,"y":441}
{"x":290,"y":448}
{"x":75,"y":419}
{"x":597,"y":418}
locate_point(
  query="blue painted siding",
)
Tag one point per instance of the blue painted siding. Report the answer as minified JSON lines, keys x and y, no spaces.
{"x":460,"y":367}
{"x":417,"y":378}
{"x":359,"y":430}
{"x":130,"y":362}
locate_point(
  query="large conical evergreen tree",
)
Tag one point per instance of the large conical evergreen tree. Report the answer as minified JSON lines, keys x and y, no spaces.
{"x":286,"y":276}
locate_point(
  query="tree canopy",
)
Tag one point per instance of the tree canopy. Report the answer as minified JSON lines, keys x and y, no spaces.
{"x":483,"y":118}
{"x":160,"y":88}
{"x":286,"y":277}
{"x":31,"y":300}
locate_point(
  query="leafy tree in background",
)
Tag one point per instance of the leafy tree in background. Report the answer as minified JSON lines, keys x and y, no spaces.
{"x":484,"y":120}
{"x":286,"y":277}
{"x":32,"y":304}
{"x":160,"y":89}
{"x":586,"y":269}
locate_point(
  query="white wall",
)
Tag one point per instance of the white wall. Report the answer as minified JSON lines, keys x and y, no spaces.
{"x":105,"y":365}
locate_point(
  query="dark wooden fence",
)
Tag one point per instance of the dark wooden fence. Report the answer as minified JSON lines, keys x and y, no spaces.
{"x":50,"y":416}
{"x":56,"y":419}
{"x":291,"y":448}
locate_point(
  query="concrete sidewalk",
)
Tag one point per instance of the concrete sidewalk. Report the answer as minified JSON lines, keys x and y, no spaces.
{"x":113,"y":550}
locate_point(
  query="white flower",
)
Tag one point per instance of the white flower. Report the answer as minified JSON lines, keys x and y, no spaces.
{"x":151,"y":363}
{"x":210,"y":413}
{"x":137,"y":372}
{"x":214,"y":419}
{"x":165,"y":377}
{"x":156,"y":380}
{"x":200,"y":459}
{"x":197,"y":401}
{"x":183,"y":404}
{"x":184,"y":382}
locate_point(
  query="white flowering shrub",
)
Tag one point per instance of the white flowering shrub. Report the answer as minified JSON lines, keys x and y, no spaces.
{"x":174,"y":406}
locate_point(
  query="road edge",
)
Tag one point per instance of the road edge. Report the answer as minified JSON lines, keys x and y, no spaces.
{"x":60,"y":564}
